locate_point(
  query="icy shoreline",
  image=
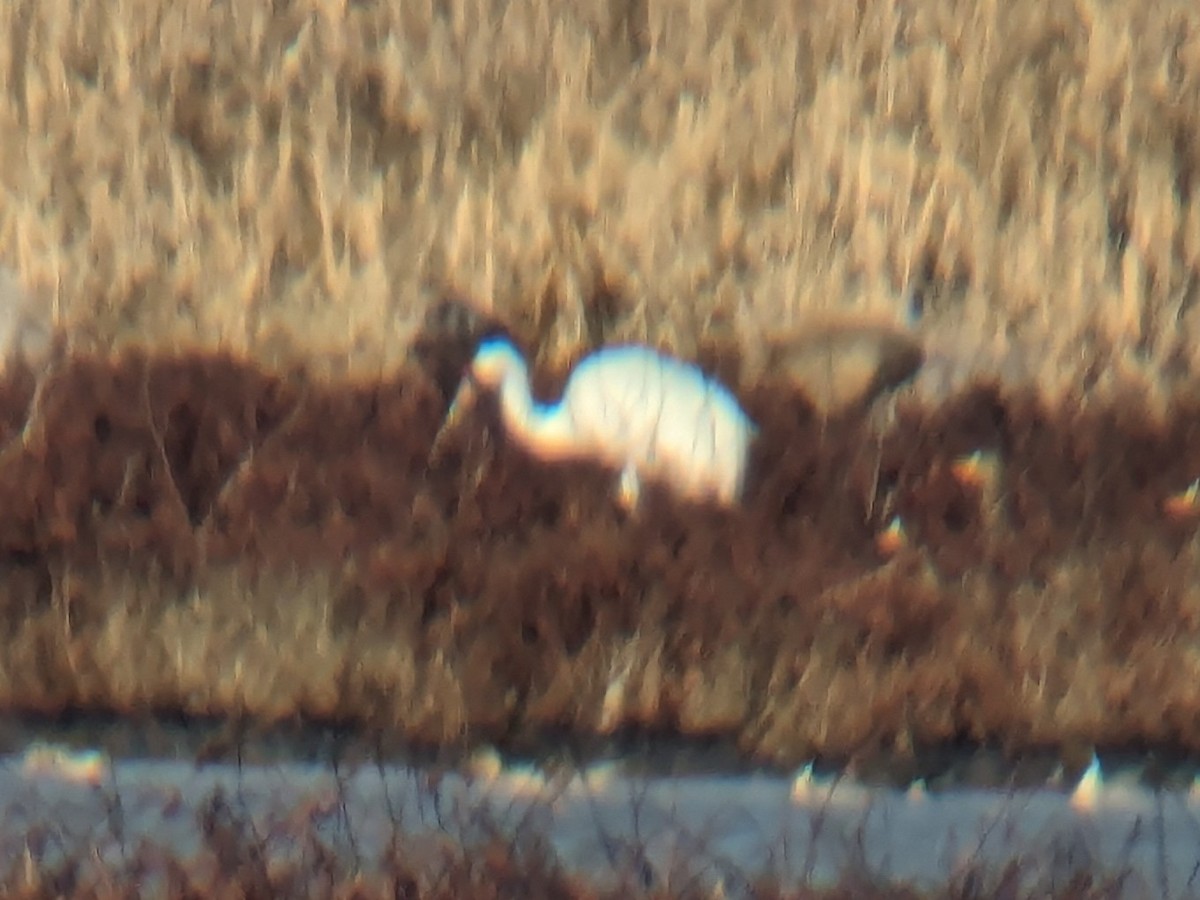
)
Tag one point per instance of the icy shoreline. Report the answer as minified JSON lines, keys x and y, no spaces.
{"x":600,"y":823}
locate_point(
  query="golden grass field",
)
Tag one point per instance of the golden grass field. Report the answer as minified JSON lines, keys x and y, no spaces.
{"x":302,"y":178}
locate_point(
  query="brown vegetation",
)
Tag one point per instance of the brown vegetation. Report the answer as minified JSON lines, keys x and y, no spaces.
{"x":193,"y":533}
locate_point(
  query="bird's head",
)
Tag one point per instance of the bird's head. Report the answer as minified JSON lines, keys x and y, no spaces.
{"x":495,"y":357}
{"x":494,"y":360}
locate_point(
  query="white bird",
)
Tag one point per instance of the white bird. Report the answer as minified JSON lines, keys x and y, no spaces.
{"x":645,"y":414}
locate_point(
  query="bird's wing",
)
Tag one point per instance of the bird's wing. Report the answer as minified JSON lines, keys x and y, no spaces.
{"x":614,"y":400}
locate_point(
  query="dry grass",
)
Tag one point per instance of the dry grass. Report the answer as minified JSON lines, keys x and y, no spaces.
{"x":304,"y":181}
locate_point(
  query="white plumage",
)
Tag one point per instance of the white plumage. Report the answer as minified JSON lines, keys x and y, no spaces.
{"x":645,"y":414}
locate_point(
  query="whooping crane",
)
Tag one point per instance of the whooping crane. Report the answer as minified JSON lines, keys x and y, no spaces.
{"x":641,"y":412}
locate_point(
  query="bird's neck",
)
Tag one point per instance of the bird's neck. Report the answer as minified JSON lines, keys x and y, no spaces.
{"x":543,"y":428}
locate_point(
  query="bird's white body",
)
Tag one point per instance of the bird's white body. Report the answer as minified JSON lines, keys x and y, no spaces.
{"x":643,"y":413}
